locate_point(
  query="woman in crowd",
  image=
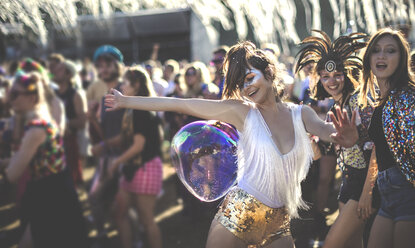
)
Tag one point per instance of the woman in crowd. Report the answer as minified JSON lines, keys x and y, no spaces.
{"x":50,"y":203}
{"x":335,"y":62}
{"x":387,"y":76}
{"x":55,"y":104}
{"x":74,"y":100}
{"x":198,"y":83}
{"x":274,"y":151}
{"x":140,"y":163}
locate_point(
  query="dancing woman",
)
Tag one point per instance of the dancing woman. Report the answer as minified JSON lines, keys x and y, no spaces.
{"x":386,"y":67}
{"x":140,"y":163}
{"x":335,"y":64}
{"x":50,"y":203}
{"x":274,"y":151}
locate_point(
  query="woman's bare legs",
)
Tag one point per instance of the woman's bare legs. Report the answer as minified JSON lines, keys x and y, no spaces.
{"x":381,"y":235}
{"x":284,"y":242}
{"x":220,"y":237}
{"x":347,"y":230}
{"x":145,"y":207}
{"x":387,"y":233}
{"x":120,"y":212}
{"x":404,"y":234}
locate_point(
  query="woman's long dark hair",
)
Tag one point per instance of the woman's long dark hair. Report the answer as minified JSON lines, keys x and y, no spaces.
{"x":139,"y":76}
{"x":401,"y":78}
{"x":238,"y":59}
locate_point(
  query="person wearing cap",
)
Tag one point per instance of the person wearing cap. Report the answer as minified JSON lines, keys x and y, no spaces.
{"x":108,"y":61}
{"x":74,"y":99}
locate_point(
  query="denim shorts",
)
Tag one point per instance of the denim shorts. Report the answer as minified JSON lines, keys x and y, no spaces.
{"x":397,"y":196}
{"x":353,"y":180}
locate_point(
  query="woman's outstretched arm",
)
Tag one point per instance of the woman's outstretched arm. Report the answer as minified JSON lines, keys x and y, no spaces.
{"x":230,"y":111}
{"x":341,"y":130}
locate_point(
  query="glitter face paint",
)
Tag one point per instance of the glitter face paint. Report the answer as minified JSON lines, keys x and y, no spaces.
{"x":251,"y":77}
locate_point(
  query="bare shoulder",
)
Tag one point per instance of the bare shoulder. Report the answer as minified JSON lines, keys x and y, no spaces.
{"x":307,"y":112}
{"x":34,"y":136}
{"x":240,"y":110}
{"x":311,"y":120}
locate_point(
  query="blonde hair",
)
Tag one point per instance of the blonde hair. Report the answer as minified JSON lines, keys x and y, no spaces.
{"x":203,"y":76}
{"x":33,"y":83}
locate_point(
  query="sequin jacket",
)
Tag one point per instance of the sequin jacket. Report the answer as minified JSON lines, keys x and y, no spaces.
{"x":398,"y":118}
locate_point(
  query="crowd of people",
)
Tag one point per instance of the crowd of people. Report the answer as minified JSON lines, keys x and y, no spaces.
{"x":346,"y":103}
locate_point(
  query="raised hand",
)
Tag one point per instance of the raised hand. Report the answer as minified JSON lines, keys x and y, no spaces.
{"x":113,"y":100}
{"x":346,"y":134}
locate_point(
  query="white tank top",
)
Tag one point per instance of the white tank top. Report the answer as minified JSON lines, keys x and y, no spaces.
{"x":272,"y":177}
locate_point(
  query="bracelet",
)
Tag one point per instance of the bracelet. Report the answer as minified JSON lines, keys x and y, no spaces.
{"x":104,"y":145}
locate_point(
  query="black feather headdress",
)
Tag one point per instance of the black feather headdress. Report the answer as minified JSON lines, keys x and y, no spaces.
{"x":331,"y":56}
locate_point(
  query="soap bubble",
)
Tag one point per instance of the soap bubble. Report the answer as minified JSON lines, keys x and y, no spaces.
{"x":204,"y":154}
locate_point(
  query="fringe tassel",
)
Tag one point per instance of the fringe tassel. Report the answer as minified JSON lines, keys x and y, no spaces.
{"x":276,"y":176}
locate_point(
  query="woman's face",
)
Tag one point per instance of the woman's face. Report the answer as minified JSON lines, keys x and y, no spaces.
{"x":190,"y":77}
{"x":128,"y":89}
{"x":385,"y":57}
{"x":20,"y":99}
{"x":333,"y":83}
{"x":255,"y":86}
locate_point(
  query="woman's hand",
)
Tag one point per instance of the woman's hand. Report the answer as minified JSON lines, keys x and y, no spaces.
{"x":113,"y":100}
{"x":364,"y":207}
{"x":346,"y":134}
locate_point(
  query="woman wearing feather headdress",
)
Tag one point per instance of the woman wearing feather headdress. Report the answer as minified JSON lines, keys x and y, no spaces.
{"x":335,"y":76}
{"x":386,"y":66}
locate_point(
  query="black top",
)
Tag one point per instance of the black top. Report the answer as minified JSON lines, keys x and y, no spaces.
{"x":68,"y":100}
{"x":147,"y":124}
{"x":384,"y":156}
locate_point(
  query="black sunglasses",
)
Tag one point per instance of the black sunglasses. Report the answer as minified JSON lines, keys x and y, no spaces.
{"x":190,"y":73}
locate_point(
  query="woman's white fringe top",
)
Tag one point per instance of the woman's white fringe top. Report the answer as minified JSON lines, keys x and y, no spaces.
{"x":272,"y":177}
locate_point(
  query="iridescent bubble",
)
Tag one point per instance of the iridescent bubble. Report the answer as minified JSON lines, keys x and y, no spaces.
{"x":204,"y":154}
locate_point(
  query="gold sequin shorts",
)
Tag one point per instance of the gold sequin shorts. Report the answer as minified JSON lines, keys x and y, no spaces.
{"x":251,"y":220}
